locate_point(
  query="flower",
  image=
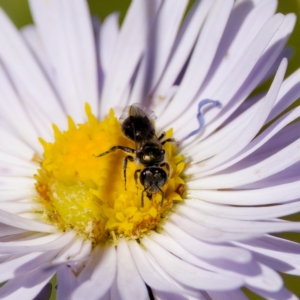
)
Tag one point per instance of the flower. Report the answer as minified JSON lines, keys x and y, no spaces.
{"x":210,"y":229}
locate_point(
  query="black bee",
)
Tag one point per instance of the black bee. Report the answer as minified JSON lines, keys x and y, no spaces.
{"x":138,"y":126}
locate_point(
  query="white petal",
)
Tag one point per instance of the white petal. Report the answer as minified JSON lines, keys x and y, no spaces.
{"x":244,"y":21}
{"x":251,"y":66}
{"x":107,"y":41}
{"x":245,"y":213}
{"x":8,"y":268}
{"x":236,"y":225}
{"x":182,"y":48}
{"x":34,"y":42}
{"x":272,"y":165}
{"x":268,"y":56}
{"x":14,"y":145}
{"x":18,"y":266}
{"x":98,"y":267}
{"x":217,"y":143}
{"x":31,"y":225}
{"x":90,"y":266}
{"x":128,"y":50}
{"x":250,"y":129}
{"x":149,"y":274}
{"x":27,"y":286}
{"x":10,"y":165}
{"x":236,"y":294}
{"x":11,"y":194}
{"x":270,"y":280}
{"x":67,"y":283}
{"x":281,"y":294}
{"x":209,"y":234}
{"x":70,"y":46}
{"x":114,"y":292}
{"x":69,"y":252}
{"x":282,"y":250}
{"x":162,"y":36}
{"x":188,"y":274}
{"x":253,"y":273}
{"x":9,"y":230}
{"x":206,"y":250}
{"x":270,"y":137}
{"x":287,"y":95}
{"x":16,"y":182}
{"x":18,"y":121}
{"x":29,"y":79}
{"x":129,"y":282}
{"x":45,"y":243}
{"x":202,"y":57}
{"x":84,"y":252}
{"x":276,"y":194}
{"x":18,"y":208}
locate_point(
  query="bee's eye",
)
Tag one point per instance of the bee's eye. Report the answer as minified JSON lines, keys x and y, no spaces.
{"x":162,"y":151}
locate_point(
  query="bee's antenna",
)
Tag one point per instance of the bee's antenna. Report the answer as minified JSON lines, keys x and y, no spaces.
{"x":200,"y":117}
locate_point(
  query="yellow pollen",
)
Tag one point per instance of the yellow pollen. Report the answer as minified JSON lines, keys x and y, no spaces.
{"x":86,"y":193}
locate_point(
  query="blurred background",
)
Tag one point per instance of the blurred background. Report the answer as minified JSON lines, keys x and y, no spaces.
{"x":18,"y":11}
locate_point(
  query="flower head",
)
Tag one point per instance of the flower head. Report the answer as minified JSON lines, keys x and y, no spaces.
{"x":185,"y":206}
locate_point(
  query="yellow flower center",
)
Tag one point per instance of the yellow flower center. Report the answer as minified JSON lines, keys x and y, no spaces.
{"x":86,"y":193}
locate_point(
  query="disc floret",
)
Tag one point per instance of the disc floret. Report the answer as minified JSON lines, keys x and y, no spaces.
{"x":86,"y":193}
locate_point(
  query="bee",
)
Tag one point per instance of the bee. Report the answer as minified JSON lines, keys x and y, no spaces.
{"x":137,"y":125}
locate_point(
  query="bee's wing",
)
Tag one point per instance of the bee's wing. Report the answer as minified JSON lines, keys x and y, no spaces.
{"x":137,"y":109}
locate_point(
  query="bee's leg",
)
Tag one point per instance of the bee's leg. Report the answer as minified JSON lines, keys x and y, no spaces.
{"x":168,"y":140}
{"x":136,"y":174}
{"x":165,"y":164}
{"x":126,"y":159}
{"x":162,"y":196}
{"x":162,"y":136}
{"x":123,"y":148}
{"x":145,"y":190}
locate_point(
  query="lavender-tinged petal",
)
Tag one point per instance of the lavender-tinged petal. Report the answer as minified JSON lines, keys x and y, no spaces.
{"x":236,"y":225}
{"x":182,"y":48}
{"x":108,"y":36}
{"x":252,"y":23}
{"x":270,"y":138}
{"x":70,"y":46}
{"x":129,"y":282}
{"x":129,"y":47}
{"x":205,"y":250}
{"x":14,"y":145}
{"x":35,"y":44}
{"x":29,"y":80}
{"x":31,"y":225}
{"x":160,"y":41}
{"x":206,"y":233}
{"x":289,"y":92}
{"x":201,"y":59}
{"x":149,"y":274}
{"x":27,"y":286}
{"x":19,"y":122}
{"x":251,"y":68}
{"x":43,"y":244}
{"x":100,"y":265}
{"x":236,"y":294}
{"x":245,"y":213}
{"x":264,"y":196}
{"x":188,"y":274}
{"x":270,"y":166}
{"x":66,"y":283}
{"x":283,"y":293}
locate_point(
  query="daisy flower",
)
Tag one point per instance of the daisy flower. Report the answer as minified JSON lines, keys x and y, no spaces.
{"x":188,"y":204}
